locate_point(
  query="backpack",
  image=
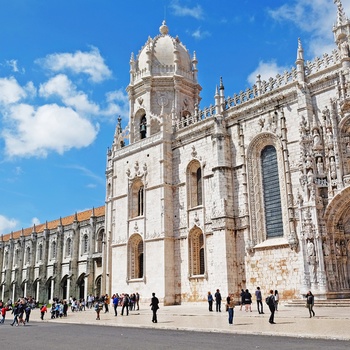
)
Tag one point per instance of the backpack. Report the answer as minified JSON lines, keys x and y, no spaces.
{"x":268,"y":300}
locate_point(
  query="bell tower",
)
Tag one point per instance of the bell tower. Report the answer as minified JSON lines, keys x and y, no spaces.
{"x":163,"y":86}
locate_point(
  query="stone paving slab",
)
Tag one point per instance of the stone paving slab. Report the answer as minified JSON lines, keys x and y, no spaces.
{"x":329,"y":323}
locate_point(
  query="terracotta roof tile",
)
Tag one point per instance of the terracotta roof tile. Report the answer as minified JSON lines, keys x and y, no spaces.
{"x":82,"y":216}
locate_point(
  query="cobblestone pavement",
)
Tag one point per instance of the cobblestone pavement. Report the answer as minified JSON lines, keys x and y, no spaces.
{"x":329,"y":322}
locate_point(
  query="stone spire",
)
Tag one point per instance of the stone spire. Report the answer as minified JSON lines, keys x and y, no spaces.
{"x":341,"y":17}
{"x":300,"y":62}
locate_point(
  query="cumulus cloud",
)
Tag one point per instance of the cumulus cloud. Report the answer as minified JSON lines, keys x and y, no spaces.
{"x":35,"y":131}
{"x":11,"y":91}
{"x":90,"y":63}
{"x":62,"y":87}
{"x":266,"y":70}
{"x":6,"y":224}
{"x":181,"y":10}
{"x":320,"y":15}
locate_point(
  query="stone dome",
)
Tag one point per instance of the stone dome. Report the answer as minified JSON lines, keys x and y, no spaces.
{"x":162,"y":52}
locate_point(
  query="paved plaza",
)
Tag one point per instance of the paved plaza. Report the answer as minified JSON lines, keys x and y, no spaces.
{"x":329,"y":322}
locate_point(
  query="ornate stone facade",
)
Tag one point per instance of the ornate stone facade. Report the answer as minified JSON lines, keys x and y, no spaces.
{"x":60,"y":258}
{"x":251,"y":191}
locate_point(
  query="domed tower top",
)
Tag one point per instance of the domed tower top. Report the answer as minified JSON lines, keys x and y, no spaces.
{"x":163,"y":55}
{"x":163,"y":87}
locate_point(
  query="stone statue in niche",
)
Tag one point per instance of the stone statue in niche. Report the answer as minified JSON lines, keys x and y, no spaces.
{"x":333,"y":169}
{"x":317,"y":139}
{"x":320,"y":166}
{"x":326,"y":250}
{"x":310,"y":249}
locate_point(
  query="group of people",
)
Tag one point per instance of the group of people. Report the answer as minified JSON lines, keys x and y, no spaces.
{"x":20,"y":310}
{"x":272,"y":301}
{"x":128,"y":302}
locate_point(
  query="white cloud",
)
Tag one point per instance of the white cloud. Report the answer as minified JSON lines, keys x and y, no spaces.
{"x":266,"y":70}
{"x":13,"y":64}
{"x":35,"y":221}
{"x":117,"y":103}
{"x":35,"y":132}
{"x":199,"y":34}
{"x":315,"y":18}
{"x":62,"y":87}
{"x":179,"y":10}
{"x":11,"y":91}
{"x":90,"y":63}
{"x":6,"y":224}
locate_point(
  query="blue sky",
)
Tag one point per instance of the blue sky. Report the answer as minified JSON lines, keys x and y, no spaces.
{"x":64,"y":68}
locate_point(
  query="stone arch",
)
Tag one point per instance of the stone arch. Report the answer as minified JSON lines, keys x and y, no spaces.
{"x":196,"y":252}
{"x":135,"y":257}
{"x":336,"y":247}
{"x":255,"y":186}
{"x":194,"y":184}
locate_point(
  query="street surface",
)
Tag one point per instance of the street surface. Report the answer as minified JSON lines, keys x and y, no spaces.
{"x":56,"y":336}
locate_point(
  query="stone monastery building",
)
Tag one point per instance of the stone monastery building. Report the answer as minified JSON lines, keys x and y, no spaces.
{"x":252,"y":191}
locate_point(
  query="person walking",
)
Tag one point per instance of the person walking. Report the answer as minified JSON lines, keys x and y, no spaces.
{"x":210,"y":301}
{"x":310,"y":303}
{"x":242,"y":298}
{"x":137,"y":300}
{"x":115,"y":303}
{"x":42,"y":311}
{"x":259,"y":300}
{"x":230,"y":308}
{"x":97,"y":309}
{"x":218,"y":300}
{"x":248,"y":301}
{"x":277,"y":298}
{"x":126,"y":301}
{"x":270,"y":301}
{"x":15,"y":312}
{"x":154,"y":307}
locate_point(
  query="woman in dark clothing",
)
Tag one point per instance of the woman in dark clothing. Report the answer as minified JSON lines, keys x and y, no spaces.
{"x":310,"y":303}
{"x":247,"y":301}
{"x":242,"y":298}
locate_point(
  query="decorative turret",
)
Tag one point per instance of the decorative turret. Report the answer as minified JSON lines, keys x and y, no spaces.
{"x":341,"y":32}
{"x":300,"y":63}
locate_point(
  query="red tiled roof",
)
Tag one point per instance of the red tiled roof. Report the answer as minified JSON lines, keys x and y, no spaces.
{"x":82,"y":216}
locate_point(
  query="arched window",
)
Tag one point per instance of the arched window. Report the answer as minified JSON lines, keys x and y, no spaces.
{"x":272,"y":193}
{"x":85,"y":244}
{"x":196,"y":253}
{"x":137,"y":199}
{"x":15,"y":260}
{"x":68,"y":247}
{"x":194,"y":184}
{"x":53,"y":250}
{"x":28,"y":255}
{"x":100,"y":241}
{"x":6,"y":258}
{"x":98,"y":286}
{"x":135,"y":257}
{"x":40,"y":252}
{"x":143,"y":127}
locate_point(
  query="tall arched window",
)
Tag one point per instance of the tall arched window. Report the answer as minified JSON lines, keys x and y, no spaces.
{"x":53,"y":250}
{"x":68,"y":247}
{"x":6,"y":258}
{"x":100,"y":241}
{"x":85,"y":244}
{"x":28,"y":255}
{"x":194,"y":184}
{"x":272,"y":193}
{"x":135,"y":257}
{"x":196,"y":253}
{"x":40,"y":252}
{"x":137,"y":199}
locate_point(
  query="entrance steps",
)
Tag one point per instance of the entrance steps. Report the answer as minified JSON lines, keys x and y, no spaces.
{"x":319,"y":302}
